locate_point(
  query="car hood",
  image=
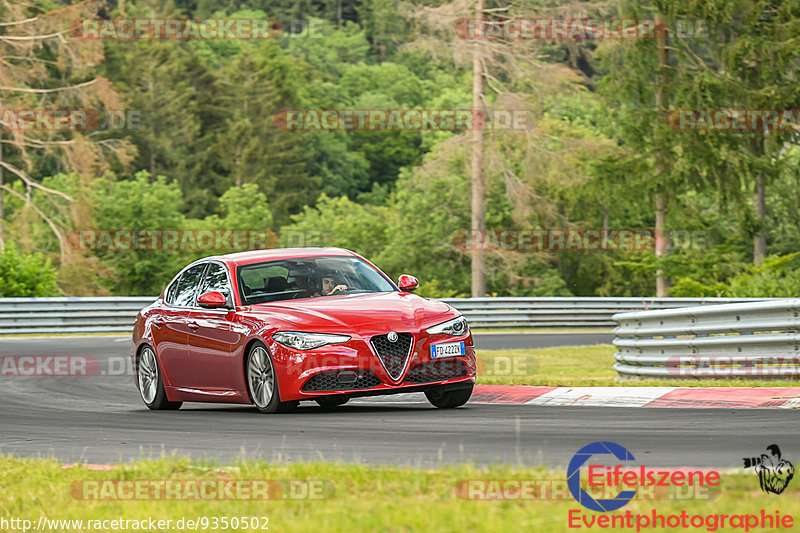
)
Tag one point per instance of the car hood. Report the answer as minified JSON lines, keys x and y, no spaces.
{"x":394,"y":310}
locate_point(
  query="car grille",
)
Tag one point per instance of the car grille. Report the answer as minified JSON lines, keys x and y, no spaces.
{"x":329,"y":380}
{"x":393,"y":355}
{"x":437,"y":371}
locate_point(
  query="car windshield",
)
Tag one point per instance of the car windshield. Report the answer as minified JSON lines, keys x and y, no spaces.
{"x":308,"y":277}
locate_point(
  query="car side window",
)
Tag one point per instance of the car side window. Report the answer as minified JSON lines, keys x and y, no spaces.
{"x":262,"y":280}
{"x":171,"y":290}
{"x":188,"y":284}
{"x":216,"y":280}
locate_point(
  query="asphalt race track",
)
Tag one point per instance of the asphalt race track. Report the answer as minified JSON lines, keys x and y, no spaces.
{"x":101,"y":419}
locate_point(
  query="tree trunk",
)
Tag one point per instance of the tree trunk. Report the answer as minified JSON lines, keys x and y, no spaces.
{"x":662,"y":282}
{"x":478,"y":207}
{"x":760,"y":238}
{"x":151,"y":88}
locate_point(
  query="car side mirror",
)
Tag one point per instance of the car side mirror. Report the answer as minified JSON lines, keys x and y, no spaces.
{"x":212,"y":300}
{"x":407,"y":283}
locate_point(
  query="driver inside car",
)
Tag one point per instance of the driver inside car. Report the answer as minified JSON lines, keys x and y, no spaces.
{"x":329,"y":285}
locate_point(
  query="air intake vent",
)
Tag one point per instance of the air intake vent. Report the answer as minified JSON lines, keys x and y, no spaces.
{"x":342,"y":380}
{"x":437,"y":371}
{"x":393,"y":355}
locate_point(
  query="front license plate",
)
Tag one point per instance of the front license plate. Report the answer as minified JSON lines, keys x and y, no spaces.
{"x":450,"y":349}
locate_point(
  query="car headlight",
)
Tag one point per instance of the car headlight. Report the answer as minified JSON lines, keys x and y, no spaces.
{"x":456,"y":327}
{"x":307,"y":341}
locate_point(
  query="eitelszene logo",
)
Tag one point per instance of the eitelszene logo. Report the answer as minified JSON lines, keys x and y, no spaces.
{"x":774,"y":473}
{"x":574,"y":476}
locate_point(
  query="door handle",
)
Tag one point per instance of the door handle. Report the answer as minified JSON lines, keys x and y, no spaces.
{"x":194,"y":325}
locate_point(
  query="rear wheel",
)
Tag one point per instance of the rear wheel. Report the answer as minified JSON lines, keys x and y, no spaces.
{"x":330,"y":403}
{"x":151,"y":386}
{"x":448,"y":399}
{"x":262,"y":382}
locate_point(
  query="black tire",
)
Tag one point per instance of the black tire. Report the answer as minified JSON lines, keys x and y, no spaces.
{"x":148,"y":370}
{"x":256,"y":387}
{"x":448,"y":399}
{"x":332,"y":403}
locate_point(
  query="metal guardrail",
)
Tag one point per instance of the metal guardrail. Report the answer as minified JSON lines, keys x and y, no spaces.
{"x":756,"y":339}
{"x":116,"y":314}
{"x":571,"y":312}
{"x":70,"y":315}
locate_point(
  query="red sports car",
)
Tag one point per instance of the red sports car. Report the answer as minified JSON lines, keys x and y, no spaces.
{"x":273,"y":327}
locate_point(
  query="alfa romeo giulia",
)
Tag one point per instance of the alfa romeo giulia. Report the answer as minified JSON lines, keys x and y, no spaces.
{"x":272,"y":328}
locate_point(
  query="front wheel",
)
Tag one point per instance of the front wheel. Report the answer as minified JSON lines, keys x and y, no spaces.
{"x":151,"y":386}
{"x":262,"y":382}
{"x":448,"y":399}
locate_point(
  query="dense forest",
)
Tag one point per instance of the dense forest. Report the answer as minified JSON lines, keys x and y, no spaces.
{"x":184,"y":137}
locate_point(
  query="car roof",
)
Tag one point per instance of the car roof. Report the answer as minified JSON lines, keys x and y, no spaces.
{"x":258,"y":256}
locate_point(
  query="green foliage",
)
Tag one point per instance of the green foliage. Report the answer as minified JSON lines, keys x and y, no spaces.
{"x":331,"y":53}
{"x":339,"y":170}
{"x":140,"y":203}
{"x":778,"y":277}
{"x":172,"y":93}
{"x":689,"y":288}
{"x":594,"y":154}
{"x":25,"y":274}
{"x":415,"y":232}
{"x":344,"y":223}
{"x":245,"y":208}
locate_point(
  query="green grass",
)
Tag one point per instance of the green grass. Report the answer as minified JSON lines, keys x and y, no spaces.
{"x":582,"y":366}
{"x":363,"y":498}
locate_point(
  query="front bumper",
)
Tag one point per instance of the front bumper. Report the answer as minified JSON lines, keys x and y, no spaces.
{"x":448,"y":386}
{"x":354,"y":369}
